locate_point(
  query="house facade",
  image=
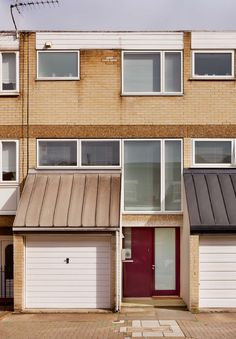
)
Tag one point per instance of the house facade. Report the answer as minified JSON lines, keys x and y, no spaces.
{"x":117,"y":168}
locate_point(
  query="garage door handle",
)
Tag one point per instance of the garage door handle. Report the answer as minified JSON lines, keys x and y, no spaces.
{"x":67,"y":260}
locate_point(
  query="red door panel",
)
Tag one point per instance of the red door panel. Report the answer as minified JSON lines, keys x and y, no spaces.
{"x":138,"y":275}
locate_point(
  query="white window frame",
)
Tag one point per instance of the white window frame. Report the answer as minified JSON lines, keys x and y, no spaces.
{"x":59,"y":78}
{"x":10,"y":182}
{"x":79,"y":154}
{"x":99,"y":167}
{"x":56,"y":167}
{"x":162,"y":179}
{"x":195,"y":76}
{"x":206,"y":165}
{"x":15,"y":91}
{"x":162,"y":74}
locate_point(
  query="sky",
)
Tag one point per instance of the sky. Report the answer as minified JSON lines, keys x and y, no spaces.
{"x":123,"y":15}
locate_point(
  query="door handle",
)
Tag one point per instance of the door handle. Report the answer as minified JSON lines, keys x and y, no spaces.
{"x":67,"y":260}
{"x":153,"y":267}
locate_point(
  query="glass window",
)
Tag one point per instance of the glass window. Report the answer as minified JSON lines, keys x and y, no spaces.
{"x":58,"y":65}
{"x":172,"y":175}
{"x":213,"y":152}
{"x":213,"y":64}
{"x":172,"y":72}
{"x":8,"y":161}
{"x":142,"y":176}
{"x":57,"y":153}
{"x":100,"y":153}
{"x":143,"y":72}
{"x":8,"y":71}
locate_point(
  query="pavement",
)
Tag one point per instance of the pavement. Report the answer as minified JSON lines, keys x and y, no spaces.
{"x":153,"y":323}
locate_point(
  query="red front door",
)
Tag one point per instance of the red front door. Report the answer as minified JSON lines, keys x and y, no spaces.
{"x":138,"y":273}
{"x":151,"y":267}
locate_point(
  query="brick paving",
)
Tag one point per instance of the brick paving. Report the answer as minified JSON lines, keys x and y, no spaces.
{"x":109,"y":326}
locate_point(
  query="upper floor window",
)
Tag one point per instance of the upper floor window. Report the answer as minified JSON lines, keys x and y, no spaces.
{"x":58,"y":65}
{"x":213,"y":64}
{"x":9,"y":69}
{"x":213,"y":152}
{"x":152,"y":73}
{"x":100,"y":153}
{"x":78,"y":153}
{"x":9,"y":161}
{"x":152,"y":175}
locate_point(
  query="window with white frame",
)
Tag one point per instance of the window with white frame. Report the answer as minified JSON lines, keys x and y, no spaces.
{"x":78,"y":153}
{"x":9,"y":161}
{"x":152,"y":73}
{"x":58,"y":65}
{"x":218,"y":152}
{"x":213,"y":64}
{"x":152,"y":175}
{"x":9,"y":69}
{"x":100,"y":153}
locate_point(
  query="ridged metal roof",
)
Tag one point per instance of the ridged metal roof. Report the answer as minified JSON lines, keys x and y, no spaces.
{"x":70,"y":200}
{"x":211,"y":199}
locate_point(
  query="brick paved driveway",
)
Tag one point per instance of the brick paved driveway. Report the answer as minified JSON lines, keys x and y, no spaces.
{"x":106,"y":326}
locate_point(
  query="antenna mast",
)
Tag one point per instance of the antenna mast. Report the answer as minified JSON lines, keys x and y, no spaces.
{"x":30,"y":4}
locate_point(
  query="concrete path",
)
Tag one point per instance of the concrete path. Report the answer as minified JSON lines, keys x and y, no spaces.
{"x":153,"y":323}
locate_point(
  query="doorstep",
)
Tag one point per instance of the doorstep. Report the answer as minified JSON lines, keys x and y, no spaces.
{"x":153,"y":302}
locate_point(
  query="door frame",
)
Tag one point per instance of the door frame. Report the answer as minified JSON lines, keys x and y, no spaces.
{"x":177,"y":266}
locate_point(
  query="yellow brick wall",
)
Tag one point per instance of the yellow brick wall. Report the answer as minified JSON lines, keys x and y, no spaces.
{"x":19,"y":269}
{"x":96,"y":98}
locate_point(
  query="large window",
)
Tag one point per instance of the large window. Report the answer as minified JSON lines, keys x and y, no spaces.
{"x":9,"y":72}
{"x":152,"y":73}
{"x":213,"y":152}
{"x":57,"y":65}
{"x":78,"y":153}
{"x":213,"y":64}
{"x":152,"y":175}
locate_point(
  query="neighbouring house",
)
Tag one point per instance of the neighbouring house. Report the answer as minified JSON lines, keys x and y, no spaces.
{"x":117,"y":171}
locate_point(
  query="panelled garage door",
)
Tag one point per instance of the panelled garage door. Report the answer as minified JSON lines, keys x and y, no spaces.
{"x":68,"y":271}
{"x":217,"y":271}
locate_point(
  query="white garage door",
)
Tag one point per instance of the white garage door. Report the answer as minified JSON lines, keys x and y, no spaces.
{"x":217,"y":271}
{"x":68,"y":271}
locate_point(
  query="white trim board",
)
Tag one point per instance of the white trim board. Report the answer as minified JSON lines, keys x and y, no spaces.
{"x":213,"y":40}
{"x":110,"y":40}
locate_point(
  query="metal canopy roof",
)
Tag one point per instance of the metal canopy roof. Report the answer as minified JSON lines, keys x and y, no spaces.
{"x":211,"y":200}
{"x":59,"y":200}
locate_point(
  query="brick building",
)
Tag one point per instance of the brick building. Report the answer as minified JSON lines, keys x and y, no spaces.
{"x":98,"y":128}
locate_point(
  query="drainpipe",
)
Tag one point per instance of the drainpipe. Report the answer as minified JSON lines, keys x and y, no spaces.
{"x":117,"y":308}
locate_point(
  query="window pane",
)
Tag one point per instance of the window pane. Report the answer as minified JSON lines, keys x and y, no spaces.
{"x":8,"y":161}
{"x":213,"y":64}
{"x":142,"y":185}
{"x":172,"y":72}
{"x":100,"y":153}
{"x":57,"y":153}
{"x":165,"y":278}
{"x":213,"y":152}
{"x":56,"y":64}
{"x":172,"y":175}
{"x":8,"y":71}
{"x":141,"y":72}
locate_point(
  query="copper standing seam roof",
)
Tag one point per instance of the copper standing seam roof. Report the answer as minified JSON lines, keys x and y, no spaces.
{"x":70,"y":200}
{"x":211,"y":200}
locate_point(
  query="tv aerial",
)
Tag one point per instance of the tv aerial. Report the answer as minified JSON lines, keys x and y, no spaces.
{"x":19,"y":6}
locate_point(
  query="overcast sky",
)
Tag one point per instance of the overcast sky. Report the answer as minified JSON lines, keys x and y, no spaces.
{"x":124,"y":15}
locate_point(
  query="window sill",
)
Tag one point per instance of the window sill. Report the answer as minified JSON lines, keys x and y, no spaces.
{"x":7,"y":93}
{"x":151,"y":213}
{"x":57,"y":79}
{"x":212,"y":79}
{"x":151,"y":94}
